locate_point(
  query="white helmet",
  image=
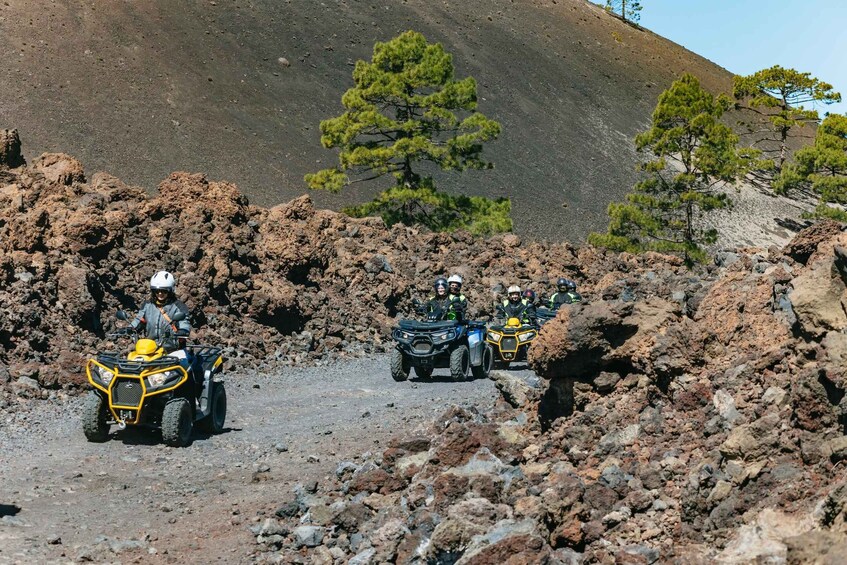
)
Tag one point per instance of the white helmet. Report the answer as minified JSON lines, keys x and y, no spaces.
{"x":163,"y":280}
{"x":513,"y":289}
{"x":455,"y":279}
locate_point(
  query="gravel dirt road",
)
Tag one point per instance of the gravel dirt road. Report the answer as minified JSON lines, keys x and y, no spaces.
{"x":134,"y":499}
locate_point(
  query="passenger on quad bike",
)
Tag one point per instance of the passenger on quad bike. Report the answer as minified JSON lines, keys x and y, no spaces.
{"x":529,"y":296}
{"x":163,"y":317}
{"x":455,"y":287}
{"x":517,"y":307}
{"x":566,"y":294}
{"x":441,"y":305}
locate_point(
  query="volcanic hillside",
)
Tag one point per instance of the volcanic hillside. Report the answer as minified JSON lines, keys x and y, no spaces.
{"x":143,"y":89}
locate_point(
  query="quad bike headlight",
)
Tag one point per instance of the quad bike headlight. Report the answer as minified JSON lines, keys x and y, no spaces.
{"x":104,"y":375}
{"x":443,"y":336}
{"x":400,"y":334}
{"x":495,"y":337}
{"x":158,"y":379}
{"x":526,"y":336}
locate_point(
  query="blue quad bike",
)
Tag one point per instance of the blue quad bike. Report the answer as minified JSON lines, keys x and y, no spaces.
{"x":433,"y":344}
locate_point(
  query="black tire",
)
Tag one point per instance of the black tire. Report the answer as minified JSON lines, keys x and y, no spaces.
{"x":399,"y":366}
{"x":423,"y":372}
{"x":177,"y":422}
{"x":214,"y":422}
{"x":484,"y":369}
{"x":94,"y":416}
{"x":460,"y":363}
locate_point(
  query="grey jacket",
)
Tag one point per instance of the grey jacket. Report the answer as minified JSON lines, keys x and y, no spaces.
{"x":156,"y":326}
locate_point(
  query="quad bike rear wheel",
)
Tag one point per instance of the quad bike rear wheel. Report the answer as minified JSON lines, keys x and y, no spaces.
{"x":484,"y":369}
{"x":399,"y":366}
{"x":177,"y":422}
{"x":423,"y":372}
{"x":214,"y":422}
{"x":94,"y":416}
{"x":460,"y":362}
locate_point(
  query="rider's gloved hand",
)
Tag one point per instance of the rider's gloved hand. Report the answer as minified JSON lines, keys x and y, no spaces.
{"x":181,"y":333}
{"x":123,"y":331}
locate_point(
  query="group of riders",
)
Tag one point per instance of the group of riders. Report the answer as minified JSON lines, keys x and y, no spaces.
{"x":164,"y":318}
{"x":448,"y":302}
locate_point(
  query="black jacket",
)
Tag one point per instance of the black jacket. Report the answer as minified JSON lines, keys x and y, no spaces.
{"x":441,"y":308}
{"x":523,"y":311}
{"x":560,"y":298}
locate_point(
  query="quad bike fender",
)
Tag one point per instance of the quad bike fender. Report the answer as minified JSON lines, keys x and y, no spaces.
{"x":205,"y":407}
{"x":476,"y":345}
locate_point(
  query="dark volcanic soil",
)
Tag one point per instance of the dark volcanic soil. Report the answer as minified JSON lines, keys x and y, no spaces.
{"x":143,"y":89}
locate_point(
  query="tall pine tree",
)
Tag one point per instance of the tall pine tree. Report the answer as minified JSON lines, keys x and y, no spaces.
{"x":779,"y":95}
{"x":406,"y":109}
{"x":822,"y":167}
{"x":692,"y":154}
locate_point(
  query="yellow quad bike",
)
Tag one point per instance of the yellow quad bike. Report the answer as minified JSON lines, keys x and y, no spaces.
{"x":149,"y":388}
{"x":510,"y":341}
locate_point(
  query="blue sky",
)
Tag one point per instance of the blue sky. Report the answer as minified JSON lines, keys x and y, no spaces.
{"x":745,"y":36}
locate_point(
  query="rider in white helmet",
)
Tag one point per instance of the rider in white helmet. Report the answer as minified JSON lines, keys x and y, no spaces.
{"x":460,"y":302}
{"x":517,"y":307}
{"x":164,"y":316}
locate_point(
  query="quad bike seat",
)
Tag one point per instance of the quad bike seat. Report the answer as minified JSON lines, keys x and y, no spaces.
{"x":415,"y":325}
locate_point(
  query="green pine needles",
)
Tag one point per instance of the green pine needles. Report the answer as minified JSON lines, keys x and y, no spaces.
{"x":779,"y":95}
{"x":692,"y":155}
{"x":407,"y":109}
{"x":822,"y":168}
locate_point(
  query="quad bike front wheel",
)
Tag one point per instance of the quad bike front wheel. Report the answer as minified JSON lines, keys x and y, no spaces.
{"x":214,"y":422}
{"x":94,"y":416}
{"x":177,"y":422}
{"x":484,"y":369}
{"x":460,"y":362}
{"x":399,"y":366}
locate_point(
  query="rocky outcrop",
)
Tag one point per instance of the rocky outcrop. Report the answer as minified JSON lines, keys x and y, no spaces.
{"x":700,"y":420}
{"x":289,"y":284}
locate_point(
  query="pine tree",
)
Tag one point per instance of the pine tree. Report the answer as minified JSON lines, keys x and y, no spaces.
{"x":822,"y":167}
{"x":779,"y":95}
{"x":629,"y":10}
{"x":692,"y":153}
{"x":407,"y":109}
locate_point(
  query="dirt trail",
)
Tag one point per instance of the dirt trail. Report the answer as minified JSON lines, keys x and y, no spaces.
{"x":135,"y":499}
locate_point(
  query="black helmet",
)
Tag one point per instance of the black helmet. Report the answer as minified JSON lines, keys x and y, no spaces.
{"x":440,"y":281}
{"x":529,"y":295}
{"x":562,"y":284}
{"x":571,"y":285}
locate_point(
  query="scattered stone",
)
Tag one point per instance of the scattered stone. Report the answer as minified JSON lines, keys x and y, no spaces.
{"x":308,"y":536}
